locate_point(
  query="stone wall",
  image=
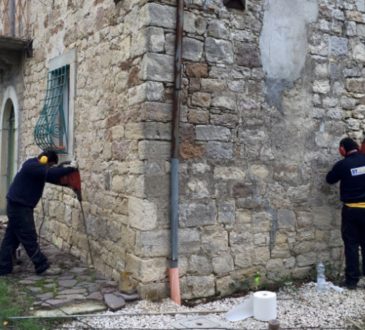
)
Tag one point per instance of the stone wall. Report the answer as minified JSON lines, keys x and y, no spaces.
{"x":259,"y":129}
{"x":11,"y":94}
{"x":107,"y":125}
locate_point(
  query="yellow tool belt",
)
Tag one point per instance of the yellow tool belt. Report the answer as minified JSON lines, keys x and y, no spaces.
{"x":360,"y":205}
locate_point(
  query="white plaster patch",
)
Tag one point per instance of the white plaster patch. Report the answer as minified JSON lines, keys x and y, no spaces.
{"x":283,"y":41}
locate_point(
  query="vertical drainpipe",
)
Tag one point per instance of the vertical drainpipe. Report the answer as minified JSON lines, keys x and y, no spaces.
{"x":174,"y":173}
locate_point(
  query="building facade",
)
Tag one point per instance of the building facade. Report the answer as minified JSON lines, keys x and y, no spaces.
{"x":269,"y":88}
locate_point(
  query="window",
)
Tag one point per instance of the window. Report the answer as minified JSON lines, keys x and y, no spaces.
{"x":236,"y":4}
{"x":54,"y":128}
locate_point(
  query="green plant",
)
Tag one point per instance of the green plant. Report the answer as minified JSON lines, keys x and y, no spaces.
{"x":15,"y":302}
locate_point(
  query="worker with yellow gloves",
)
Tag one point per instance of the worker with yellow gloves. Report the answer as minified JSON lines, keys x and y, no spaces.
{"x":350,"y":171}
{"x":23,"y":196}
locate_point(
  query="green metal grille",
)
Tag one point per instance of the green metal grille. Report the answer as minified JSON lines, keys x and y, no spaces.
{"x":50,"y":132}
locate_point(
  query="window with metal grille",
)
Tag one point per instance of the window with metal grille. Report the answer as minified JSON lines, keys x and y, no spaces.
{"x":51,"y":130}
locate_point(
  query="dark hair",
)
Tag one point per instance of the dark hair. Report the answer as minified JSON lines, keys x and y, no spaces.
{"x":349,"y":144}
{"x":51,"y":155}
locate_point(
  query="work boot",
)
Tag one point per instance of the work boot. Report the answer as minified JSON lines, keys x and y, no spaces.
{"x":42,"y":268}
{"x":52,"y":271}
{"x":47,"y":269}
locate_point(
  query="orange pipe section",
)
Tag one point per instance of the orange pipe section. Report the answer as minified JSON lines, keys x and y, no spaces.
{"x":174,"y":285}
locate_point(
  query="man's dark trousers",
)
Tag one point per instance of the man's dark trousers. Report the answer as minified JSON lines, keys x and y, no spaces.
{"x":20,"y":229}
{"x":353,"y":235}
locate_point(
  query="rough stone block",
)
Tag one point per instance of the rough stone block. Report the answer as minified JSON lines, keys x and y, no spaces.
{"x":152,"y":243}
{"x":157,"y":131}
{"x":142,"y":214}
{"x":219,"y":150}
{"x":214,"y":242}
{"x":218,"y":29}
{"x":243,"y":259}
{"x":151,"y":39}
{"x":198,"y":188}
{"x":227,"y":101}
{"x":199,"y":264}
{"x":356,"y":85}
{"x":223,"y":264}
{"x":148,"y":91}
{"x":261,"y":255}
{"x":151,"y":15}
{"x":224,"y":119}
{"x":157,"y":186}
{"x":192,"y":49}
{"x":358,"y":53}
{"x":157,"y":67}
{"x":321,"y":86}
{"x":261,"y":222}
{"x":338,"y":46}
{"x":151,"y":150}
{"x":213,"y":85}
{"x":189,"y":241}
{"x":218,"y":51}
{"x":197,"y":286}
{"x":156,"y":111}
{"x":229,"y":173}
{"x":197,"y":214}
{"x":226,"y":212}
{"x":286,"y":219}
{"x":247,"y":55}
{"x":147,"y":270}
{"x":225,"y":286}
{"x":201,"y":100}
{"x":194,"y":24}
{"x":153,"y":291}
{"x":306,"y":259}
{"x":211,"y":133}
{"x":197,"y":70}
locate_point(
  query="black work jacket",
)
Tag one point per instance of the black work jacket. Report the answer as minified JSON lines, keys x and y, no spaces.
{"x":350,"y":171}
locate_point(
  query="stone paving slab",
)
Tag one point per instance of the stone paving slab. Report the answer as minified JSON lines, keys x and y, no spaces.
{"x":77,"y":289}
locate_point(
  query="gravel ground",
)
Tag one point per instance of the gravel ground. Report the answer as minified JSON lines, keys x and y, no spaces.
{"x":298,"y":308}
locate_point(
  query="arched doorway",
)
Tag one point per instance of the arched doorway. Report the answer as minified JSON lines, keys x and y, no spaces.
{"x":8,"y":151}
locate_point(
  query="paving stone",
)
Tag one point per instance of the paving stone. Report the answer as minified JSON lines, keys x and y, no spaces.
{"x":67,"y":283}
{"x":76,"y":296}
{"x":71,"y":309}
{"x":67,"y":277}
{"x":34,"y":278}
{"x":128,"y":297}
{"x":45,"y":296}
{"x":95,"y":296}
{"x":73,"y":291}
{"x":78,"y":270}
{"x":113,"y":301}
{"x":26,"y":282}
{"x":54,"y":302}
{"x":108,"y":290}
{"x":76,"y":290}
{"x":50,"y":286}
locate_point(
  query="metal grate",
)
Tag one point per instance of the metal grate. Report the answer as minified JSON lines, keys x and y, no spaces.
{"x":50,"y":132}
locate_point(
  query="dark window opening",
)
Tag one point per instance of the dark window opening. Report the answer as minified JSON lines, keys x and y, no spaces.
{"x":235,"y":4}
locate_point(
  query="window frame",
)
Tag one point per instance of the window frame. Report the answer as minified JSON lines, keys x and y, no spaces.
{"x":68,"y":58}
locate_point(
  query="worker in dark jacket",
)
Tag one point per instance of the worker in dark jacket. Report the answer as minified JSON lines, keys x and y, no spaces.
{"x":23,"y":195}
{"x":350,"y":171}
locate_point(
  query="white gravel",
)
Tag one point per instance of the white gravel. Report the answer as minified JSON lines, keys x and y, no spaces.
{"x":298,"y":308}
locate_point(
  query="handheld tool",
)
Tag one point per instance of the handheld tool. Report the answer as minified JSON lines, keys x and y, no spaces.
{"x":73,"y":181}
